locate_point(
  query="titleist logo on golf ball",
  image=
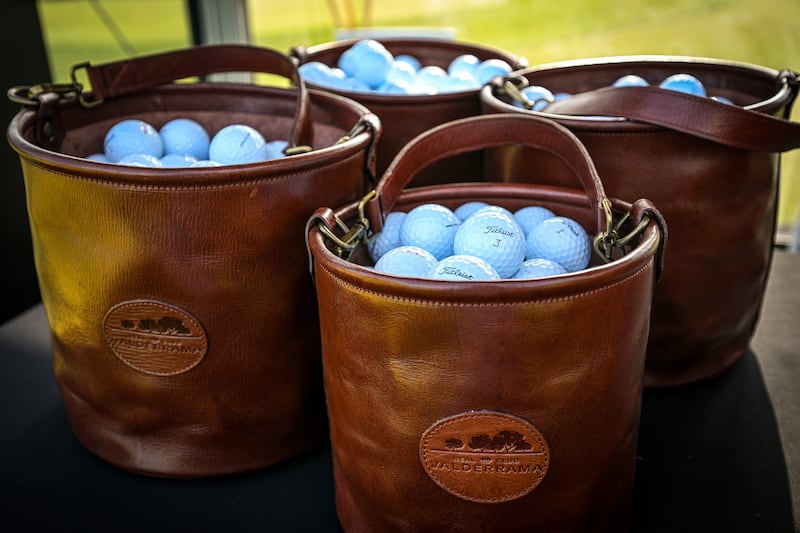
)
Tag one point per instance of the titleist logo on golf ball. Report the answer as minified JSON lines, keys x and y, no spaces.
{"x":500,"y":230}
{"x":455,"y":271}
{"x":154,"y":337}
{"x":485,"y":456}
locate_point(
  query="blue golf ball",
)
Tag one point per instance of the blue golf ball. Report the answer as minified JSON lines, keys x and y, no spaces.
{"x":562,"y":240}
{"x":460,"y":81}
{"x":464,"y":63}
{"x":389,"y":236}
{"x":400,"y":70}
{"x":186,"y":137}
{"x":467,"y":209}
{"x":463,"y":268}
{"x":630,"y":80}
{"x":275,"y":149}
{"x":538,"y":97}
{"x":494,"y":209}
{"x":178,"y":160}
{"x":132,"y":136}
{"x":432,"y":227}
{"x":140,"y":160}
{"x":489,"y":69}
{"x":530,"y":216}
{"x":236,"y":144}
{"x":409,"y":261}
{"x":354,"y":84}
{"x":494,"y":237}
{"x":684,"y":83}
{"x":205,"y":163}
{"x":412,"y":61}
{"x":394,"y":87}
{"x":348,"y":61}
{"x":321,"y":74}
{"x":432,"y":76}
{"x":100,"y":158}
{"x":372,"y":62}
{"x":538,"y":268}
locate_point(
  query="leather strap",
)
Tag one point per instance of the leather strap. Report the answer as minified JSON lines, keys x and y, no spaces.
{"x":479,"y":132}
{"x":726,"y":124}
{"x":119,"y":78}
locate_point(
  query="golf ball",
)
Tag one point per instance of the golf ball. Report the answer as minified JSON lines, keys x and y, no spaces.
{"x":630,"y":80}
{"x":411,"y":60}
{"x":177,"y":160}
{"x":465,"y":210}
{"x":530,"y":216}
{"x":372,"y":62}
{"x":463,"y":268}
{"x":562,"y":240}
{"x":132,"y":136}
{"x":685,"y":83}
{"x":389,"y":237}
{"x":140,"y":160}
{"x":489,"y":69}
{"x":409,"y":261}
{"x":236,"y":144}
{"x":186,"y":137}
{"x":464,"y":63}
{"x":495,"y":237}
{"x":432,"y":227}
{"x":538,"y":97}
{"x":99,"y":157}
{"x":538,"y":268}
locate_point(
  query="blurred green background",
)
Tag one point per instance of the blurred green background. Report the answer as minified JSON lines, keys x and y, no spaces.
{"x":762,"y":32}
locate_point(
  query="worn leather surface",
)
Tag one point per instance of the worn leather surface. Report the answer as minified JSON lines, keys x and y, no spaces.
{"x":425,"y":378}
{"x":184,"y":326}
{"x":404,"y":117}
{"x":711,"y":169}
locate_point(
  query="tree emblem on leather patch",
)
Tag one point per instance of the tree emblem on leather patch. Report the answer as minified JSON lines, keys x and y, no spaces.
{"x":485,"y":456}
{"x":154,"y":337}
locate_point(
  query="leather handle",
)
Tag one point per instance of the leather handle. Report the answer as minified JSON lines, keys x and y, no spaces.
{"x":702,"y":117}
{"x":479,"y":132}
{"x":119,"y":78}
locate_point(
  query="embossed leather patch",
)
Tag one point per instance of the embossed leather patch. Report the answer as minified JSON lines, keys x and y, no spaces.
{"x":154,"y":337}
{"x":485,"y":456}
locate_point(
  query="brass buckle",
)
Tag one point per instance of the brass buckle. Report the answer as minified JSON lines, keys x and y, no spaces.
{"x":514,"y":91}
{"x":29,"y":94}
{"x":347,"y":243}
{"x":605,"y":242}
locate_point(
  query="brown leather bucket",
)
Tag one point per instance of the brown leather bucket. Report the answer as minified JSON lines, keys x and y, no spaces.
{"x":711,"y":168}
{"x":485,"y":406}
{"x":184,"y":327}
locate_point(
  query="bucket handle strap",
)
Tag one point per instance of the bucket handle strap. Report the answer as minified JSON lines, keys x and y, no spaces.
{"x":480,"y":132}
{"x":127,"y":76}
{"x":739,"y":127}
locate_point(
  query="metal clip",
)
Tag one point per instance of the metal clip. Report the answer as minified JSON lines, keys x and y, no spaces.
{"x":605,"y":242}
{"x":514,"y":91}
{"x":347,"y":243}
{"x":360,"y":127}
{"x":29,"y":94}
{"x":789,"y":77}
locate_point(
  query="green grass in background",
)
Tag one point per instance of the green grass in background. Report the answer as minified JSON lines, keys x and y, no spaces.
{"x":762,"y":32}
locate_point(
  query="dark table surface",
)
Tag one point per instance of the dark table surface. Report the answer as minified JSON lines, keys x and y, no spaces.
{"x":715,"y":456}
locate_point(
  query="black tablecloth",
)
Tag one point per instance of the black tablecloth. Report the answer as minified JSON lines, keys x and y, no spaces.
{"x":710,"y":459}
